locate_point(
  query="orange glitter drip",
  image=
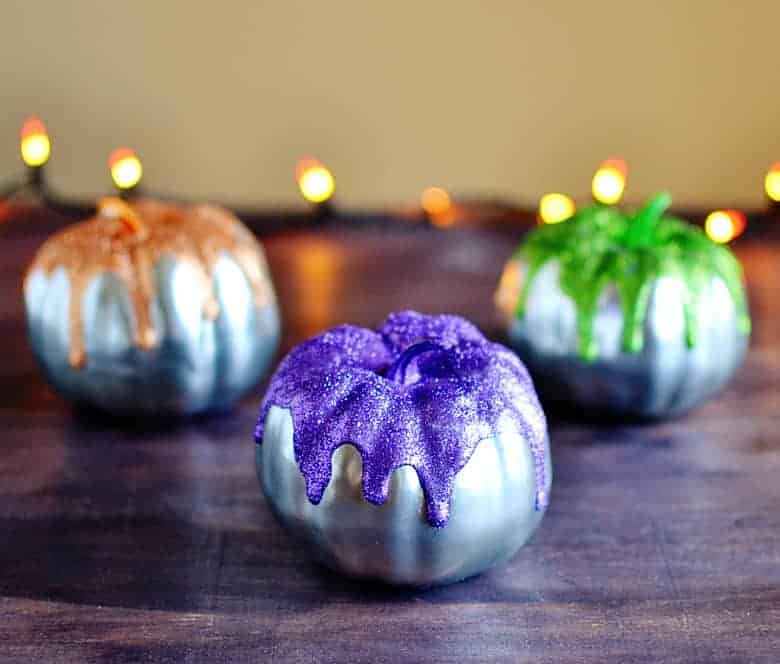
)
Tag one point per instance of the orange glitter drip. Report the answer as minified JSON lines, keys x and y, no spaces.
{"x":198,"y":235}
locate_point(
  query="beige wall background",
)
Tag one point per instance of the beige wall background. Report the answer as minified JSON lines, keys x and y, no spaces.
{"x":507,"y":99}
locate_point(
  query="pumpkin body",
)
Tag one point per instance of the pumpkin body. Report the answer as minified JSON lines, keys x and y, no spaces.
{"x":641,"y":331}
{"x":667,"y":377}
{"x":389,"y":520}
{"x":145,"y":345}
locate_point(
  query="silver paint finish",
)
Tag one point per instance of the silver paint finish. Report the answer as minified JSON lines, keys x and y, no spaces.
{"x":198,"y":364}
{"x":492,"y":513}
{"x":666,"y":378}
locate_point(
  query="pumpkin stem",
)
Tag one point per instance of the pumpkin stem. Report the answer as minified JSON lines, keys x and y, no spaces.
{"x":642,"y":230}
{"x":397,"y":372}
{"x":116,"y":208}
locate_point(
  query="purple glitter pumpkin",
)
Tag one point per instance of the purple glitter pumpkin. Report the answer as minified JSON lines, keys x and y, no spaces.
{"x":414,"y":454}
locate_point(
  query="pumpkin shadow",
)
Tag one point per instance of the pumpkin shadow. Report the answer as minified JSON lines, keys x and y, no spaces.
{"x":561,"y":413}
{"x":487,"y":585}
{"x":93,"y":420}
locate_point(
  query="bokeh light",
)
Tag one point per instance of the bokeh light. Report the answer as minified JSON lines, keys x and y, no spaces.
{"x":35,"y":145}
{"x":314,"y":180}
{"x":723,"y":226}
{"x":609,"y":181}
{"x":435,"y":201}
{"x":126,"y":169}
{"x":772,"y":182}
{"x":437,"y":205}
{"x":555,"y":208}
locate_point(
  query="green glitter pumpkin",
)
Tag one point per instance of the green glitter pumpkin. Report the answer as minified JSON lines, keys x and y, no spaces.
{"x":602,"y":245}
{"x":623,"y":313}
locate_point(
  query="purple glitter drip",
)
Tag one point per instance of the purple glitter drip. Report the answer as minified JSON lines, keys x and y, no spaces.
{"x":422,"y":391}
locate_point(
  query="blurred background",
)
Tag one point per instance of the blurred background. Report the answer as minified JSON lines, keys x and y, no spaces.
{"x":487,"y":99}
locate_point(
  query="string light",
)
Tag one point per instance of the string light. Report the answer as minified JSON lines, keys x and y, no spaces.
{"x":437,"y":205}
{"x":739,"y":220}
{"x":317,"y":185}
{"x":435,"y":200}
{"x":772,"y":182}
{"x":35,"y":145}
{"x":609,"y":181}
{"x":555,"y":208}
{"x":126,"y":169}
{"x":723,"y":226}
{"x":719,"y":226}
{"x":314,"y":180}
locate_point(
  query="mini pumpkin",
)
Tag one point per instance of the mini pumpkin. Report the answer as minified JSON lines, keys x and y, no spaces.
{"x":416,"y":454}
{"x":632,"y":314}
{"x":150,"y":307}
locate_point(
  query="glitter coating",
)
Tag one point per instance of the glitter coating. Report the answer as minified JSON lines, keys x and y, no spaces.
{"x":421,"y":391}
{"x":129,"y":239}
{"x":603,"y":245}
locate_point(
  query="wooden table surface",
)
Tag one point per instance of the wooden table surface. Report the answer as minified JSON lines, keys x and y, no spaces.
{"x":152,"y":542}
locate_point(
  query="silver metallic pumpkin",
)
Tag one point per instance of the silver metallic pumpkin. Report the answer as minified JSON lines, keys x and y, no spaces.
{"x":151,"y":308}
{"x":377,"y":513}
{"x":629,"y":315}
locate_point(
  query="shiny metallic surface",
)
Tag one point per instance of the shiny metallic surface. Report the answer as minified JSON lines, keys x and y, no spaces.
{"x":492,"y":515}
{"x":197,"y":365}
{"x":666,"y":378}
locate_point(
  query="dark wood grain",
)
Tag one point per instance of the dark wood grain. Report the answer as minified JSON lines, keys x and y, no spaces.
{"x":151,"y":542}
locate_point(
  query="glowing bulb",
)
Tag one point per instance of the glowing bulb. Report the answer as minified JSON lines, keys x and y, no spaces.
{"x":772,"y":182}
{"x":609,"y":181}
{"x":317,"y":184}
{"x":739,"y":220}
{"x":314,"y":180}
{"x":126,"y":169}
{"x":35,"y":145}
{"x":437,"y":204}
{"x":555,"y":208}
{"x":720,"y":226}
{"x":435,"y":201}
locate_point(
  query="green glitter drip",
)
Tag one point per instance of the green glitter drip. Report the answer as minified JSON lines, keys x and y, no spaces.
{"x":601,"y":245}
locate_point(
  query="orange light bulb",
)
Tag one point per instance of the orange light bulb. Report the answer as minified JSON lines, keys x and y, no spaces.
{"x":315,"y":181}
{"x":437,"y":204}
{"x":35,"y":145}
{"x":723,"y":226}
{"x":772,"y":182}
{"x":609,"y":181}
{"x":435,"y":200}
{"x":555,"y":208}
{"x":126,"y":169}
